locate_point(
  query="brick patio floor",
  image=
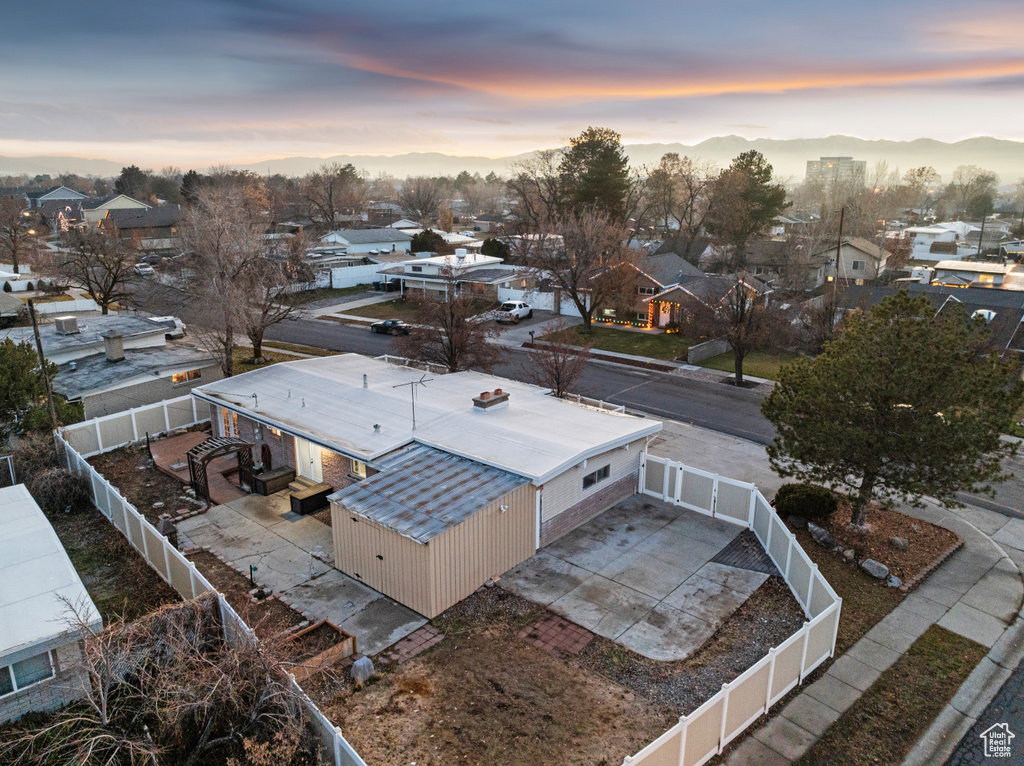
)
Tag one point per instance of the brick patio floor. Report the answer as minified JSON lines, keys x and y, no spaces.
{"x":557,"y":636}
{"x":415,"y":643}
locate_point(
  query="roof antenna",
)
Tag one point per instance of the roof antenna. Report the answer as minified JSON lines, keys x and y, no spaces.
{"x":412,"y":390}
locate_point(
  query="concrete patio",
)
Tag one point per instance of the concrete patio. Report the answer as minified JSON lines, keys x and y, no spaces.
{"x":295,"y":557}
{"x":642,"y":574}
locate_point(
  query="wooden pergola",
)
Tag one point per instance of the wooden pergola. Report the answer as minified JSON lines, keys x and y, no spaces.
{"x":199,"y":458}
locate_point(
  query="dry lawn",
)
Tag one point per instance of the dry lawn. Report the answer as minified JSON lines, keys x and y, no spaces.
{"x":484,"y":696}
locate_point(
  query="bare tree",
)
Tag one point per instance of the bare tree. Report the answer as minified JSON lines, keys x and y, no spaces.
{"x":420,"y":196}
{"x":537,"y":192}
{"x":968,"y":182}
{"x":224,"y":232}
{"x":101,"y":263}
{"x":16,"y":243}
{"x":682,"y":191}
{"x":446,"y":331}
{"x":331,"y":190}
{"x":579,"y":259}
{"x":267,"y":299}
{"x":745,"y":319}
{"x":166,"y":686}
{"x":558,"y":364}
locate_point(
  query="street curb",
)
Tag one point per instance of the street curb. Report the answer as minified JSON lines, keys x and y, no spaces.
{"x":917,"y":579}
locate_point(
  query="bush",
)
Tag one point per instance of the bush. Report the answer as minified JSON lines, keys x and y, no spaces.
{"x":29,"y":286}
{"x":7,"y":287}
{"x":34,"y":454}
{"x":58,"y":489}
{"x":811,"y":501}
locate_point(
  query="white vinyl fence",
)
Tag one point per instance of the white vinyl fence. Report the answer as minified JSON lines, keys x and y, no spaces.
{"x":111,"y":431}
{"x":66,"y":307}
{"x":350,"y":276}
{"x":182,"y":575}
{"x":544,"y":301}
{"x":702,"y":734}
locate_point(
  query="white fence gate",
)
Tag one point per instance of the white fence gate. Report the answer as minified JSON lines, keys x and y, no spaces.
{"x":702,"y":734}
{"x":544,"y":301}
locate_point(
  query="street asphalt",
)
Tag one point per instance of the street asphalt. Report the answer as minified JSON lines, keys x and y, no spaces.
{"x":666,"y":395}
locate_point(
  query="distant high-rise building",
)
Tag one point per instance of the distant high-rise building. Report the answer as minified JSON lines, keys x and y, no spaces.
{"x":830,"y":170}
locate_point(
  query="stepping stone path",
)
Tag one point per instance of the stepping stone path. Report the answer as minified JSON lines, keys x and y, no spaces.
{"x":557,"y":636}
{"x":415,"y":643}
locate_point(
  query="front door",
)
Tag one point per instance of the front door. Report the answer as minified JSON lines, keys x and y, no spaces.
{"x":307,"y":460}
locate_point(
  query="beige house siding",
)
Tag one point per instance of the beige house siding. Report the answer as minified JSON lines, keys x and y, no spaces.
{"x":430,"y":578}
{"x":486,"y":545}
{"x":566,"y":490}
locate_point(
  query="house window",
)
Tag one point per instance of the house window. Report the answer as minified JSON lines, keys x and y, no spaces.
{"x":646,"y":290}
{"x":228,"y":423}
{"x":599,"y":475}
{"x":417,"y":269}
{"x":858,"y":265}
{"x":986,"y":278}
{"x":359,"y":468}
{"x":26,"y":673}
{"x":610,"y":313}
{"x":181,"y":378}
{"x":641,"y":317}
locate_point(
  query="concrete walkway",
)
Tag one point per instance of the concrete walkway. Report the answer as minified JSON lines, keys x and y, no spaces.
{"x":295,"y":558}
{"x":342,"y":306}
{"x":977,"y":593}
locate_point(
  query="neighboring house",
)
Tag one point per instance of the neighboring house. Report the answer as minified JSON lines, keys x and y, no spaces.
{"x":152,"y":228}
{"x":480,"y":274}
{"x":860,"y":261}
{"x":94,"y":211}
{"x":679,"y":303}
{"x":652,"y":274}
{"x":1002,"y":310}
{"x":11,"y":309}
{"x":427,"y":511}
{"x":944,"y":241}
{"x":54,"y":193}
{"x":111,"y":364}
{"x":976,"y":274}
{"x":70,"y":338}
{"x":40,"y":656}
{"x":60,"y":215}
{"x":119,"y":380}
{"x":383,"y":213}
{"x":369,"y":241}
{"x":451,"y":238}
{"x":404,"y":224}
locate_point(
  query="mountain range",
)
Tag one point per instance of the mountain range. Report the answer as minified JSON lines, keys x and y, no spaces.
{"x":789,"y":157}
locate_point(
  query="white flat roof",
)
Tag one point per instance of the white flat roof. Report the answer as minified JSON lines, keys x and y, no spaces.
{"x":976,"y":266}
{"x":34,"y":572}
{"x":323,"y":399}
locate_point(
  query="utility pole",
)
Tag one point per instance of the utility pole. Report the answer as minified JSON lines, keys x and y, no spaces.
{"x":42,"y":365}
{"x":839,"y":245}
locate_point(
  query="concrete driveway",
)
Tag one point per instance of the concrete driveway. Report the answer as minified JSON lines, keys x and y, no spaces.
{"x":642,"y":574}
{"x":295,"y":557}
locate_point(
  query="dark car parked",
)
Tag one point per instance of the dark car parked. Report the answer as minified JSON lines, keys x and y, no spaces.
{"x":391,"y":327}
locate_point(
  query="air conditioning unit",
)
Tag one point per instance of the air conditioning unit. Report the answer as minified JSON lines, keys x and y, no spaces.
{"x":66,"y":325}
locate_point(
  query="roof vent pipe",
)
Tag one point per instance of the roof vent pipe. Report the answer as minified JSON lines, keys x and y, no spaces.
{"x":364,"y":381}
{"x":376,"y":428}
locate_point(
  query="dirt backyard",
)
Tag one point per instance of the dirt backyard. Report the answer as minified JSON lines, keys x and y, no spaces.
{"x":486,"y":695}
{"x":133,"y":473}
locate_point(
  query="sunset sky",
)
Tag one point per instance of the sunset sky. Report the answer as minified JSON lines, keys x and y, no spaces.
{"x":199,"y":82}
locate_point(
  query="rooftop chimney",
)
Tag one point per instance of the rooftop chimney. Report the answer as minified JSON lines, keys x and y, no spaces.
{"x":490,"y":400}
{"x":113,"y":344}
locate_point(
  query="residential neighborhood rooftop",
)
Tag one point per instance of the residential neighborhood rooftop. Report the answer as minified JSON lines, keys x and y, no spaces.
{"x":35,"y":572}
{"x":324,"y":400}
{"x":368,"y":236}
{"x":90,"y":333}
{"x":95,"y":373}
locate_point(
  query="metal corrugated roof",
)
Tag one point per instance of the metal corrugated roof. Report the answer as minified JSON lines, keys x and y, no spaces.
{"x":422,"y":492}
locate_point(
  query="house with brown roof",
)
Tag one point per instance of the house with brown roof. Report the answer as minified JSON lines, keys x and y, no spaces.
{"x":859,"y":262}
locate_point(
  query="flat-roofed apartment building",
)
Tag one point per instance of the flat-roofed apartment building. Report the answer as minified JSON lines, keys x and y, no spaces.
{"x":836,"y":170}
{"x":491,"y":471}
